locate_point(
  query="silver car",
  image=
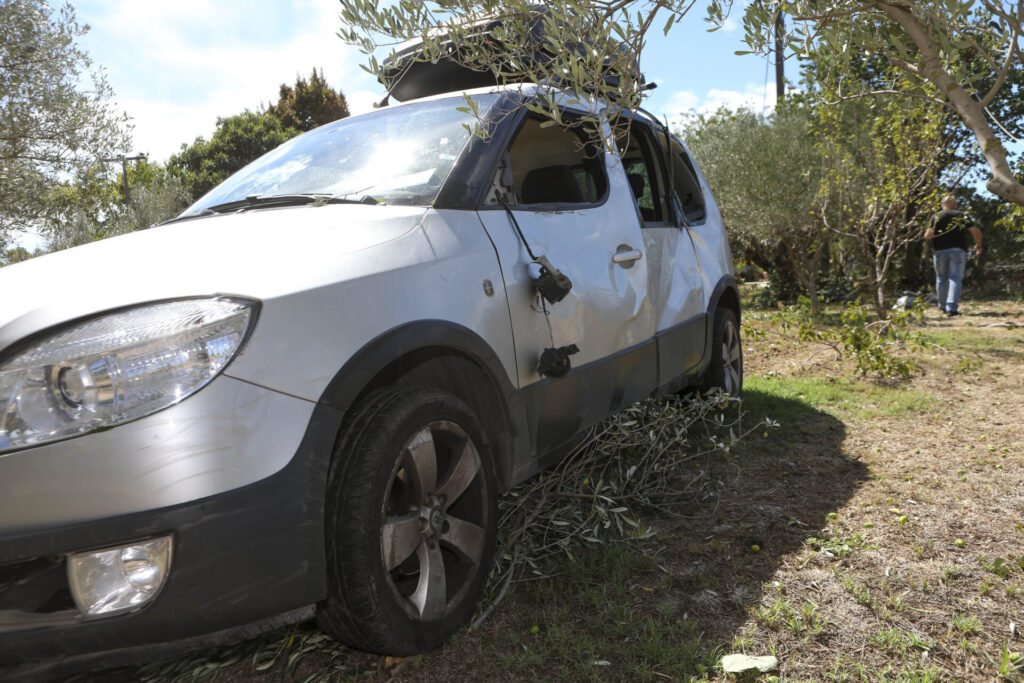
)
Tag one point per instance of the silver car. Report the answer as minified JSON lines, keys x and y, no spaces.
{"x":305,"y":394}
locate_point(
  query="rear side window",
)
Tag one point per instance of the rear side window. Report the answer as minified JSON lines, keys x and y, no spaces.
{"x":553,"y":165}
{"x":686,"y":186}
{"x":642,"y":162}
{"x":639,"y":176}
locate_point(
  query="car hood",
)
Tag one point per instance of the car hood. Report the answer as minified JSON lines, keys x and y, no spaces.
{"x":256,"y":254}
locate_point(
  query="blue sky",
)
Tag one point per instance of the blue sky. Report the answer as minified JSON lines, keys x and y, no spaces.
{"x":176,"y":66}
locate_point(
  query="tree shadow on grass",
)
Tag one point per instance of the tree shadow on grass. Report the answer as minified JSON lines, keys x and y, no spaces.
{"x":773,"y":494}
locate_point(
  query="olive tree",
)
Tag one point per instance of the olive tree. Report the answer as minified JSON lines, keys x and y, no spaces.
{"x":767,"y":172}
{"x":960,"y":54}
{"x":586,"y":48}
{"x":92,"y":205}
{"x":884,"y":160}
{"x":54,"y":111}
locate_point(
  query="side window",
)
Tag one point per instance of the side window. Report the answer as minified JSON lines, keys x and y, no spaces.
{"x":643,"y":171}
{"x":687,"y":188}
{"x":552,"y":165}
{"x":640,"y":182}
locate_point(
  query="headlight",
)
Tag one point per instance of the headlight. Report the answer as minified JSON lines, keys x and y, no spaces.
{"x":117,"y":368}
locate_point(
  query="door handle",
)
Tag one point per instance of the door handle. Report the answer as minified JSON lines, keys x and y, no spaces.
{"x":627,"y":256}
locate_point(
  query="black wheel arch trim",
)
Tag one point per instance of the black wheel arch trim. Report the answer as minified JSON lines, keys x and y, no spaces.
{"x":506,"y":424}
{"x":726,"y":287}
{"x":726,"y":293}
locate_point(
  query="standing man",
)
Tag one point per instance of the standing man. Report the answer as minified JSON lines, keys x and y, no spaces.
{"x":948,"y":234}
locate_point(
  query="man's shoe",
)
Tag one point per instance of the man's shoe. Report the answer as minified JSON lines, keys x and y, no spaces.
{"x":952,"y":313}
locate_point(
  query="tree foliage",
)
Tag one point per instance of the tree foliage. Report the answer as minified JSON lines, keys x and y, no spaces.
{"x":581,"y":47}
{"x":948,"y":50}
{"x":92,"y":205}
{"x":309,"y":104}
{"x":236,"y":141}
{"x":883,"y":159}
{"x":767,"y":173}
{"x":17,"y":255}
{"x":965,"y":55}
{"x":54,"y":116}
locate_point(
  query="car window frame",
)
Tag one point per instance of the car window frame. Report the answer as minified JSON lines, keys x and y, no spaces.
{"x":691,"y":166}
{"x":567,"y":114}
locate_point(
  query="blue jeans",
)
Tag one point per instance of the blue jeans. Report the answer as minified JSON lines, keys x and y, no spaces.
{"x":949,"y":277}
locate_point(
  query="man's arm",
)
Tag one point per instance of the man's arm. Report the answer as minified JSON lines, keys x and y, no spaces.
{"x":976,"y":234}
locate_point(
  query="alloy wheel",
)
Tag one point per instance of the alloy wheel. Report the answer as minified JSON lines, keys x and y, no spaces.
{"x":434,"y":528}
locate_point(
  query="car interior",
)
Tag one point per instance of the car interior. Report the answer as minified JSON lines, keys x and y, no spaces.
{"x":555,"y":165}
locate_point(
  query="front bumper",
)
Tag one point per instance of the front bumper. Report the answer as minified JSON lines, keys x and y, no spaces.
{"x":241,"y":555}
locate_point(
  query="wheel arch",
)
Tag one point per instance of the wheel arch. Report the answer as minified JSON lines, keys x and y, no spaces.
{"x":725,"y":295}
{"x":441,"y":355}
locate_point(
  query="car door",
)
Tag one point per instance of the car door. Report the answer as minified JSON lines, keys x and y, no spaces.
{"x":676,"y":284}
{"x":558,"y":194}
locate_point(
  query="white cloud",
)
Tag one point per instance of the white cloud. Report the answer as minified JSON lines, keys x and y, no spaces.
{"x":177,"y":66}
{"x":682,"y":101}
{"x":757,"y":97}
{"x":684,"y":105}
{"x":731,"y":24}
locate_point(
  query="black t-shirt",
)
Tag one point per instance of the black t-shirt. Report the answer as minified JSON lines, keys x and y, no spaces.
{"x":951,"y":230}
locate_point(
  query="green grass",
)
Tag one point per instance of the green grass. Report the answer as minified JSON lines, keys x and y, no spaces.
{"x":584,"y":622}
{"x":841,"y":397}
{"x":966,"y":339}
{"x":898,"y":641}
{"x":966,"y":624}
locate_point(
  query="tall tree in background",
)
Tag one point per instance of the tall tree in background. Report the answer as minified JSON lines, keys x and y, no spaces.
{"x":884,"y":159}
{"x":244,"y":137}
{"x":54,"y":112}
{"x":309,"y":104}
{"x":237,"y":140}
{"x":92,"y":205}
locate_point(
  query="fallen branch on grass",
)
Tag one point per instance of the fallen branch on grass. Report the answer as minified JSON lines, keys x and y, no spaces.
{"x":640,"y":459}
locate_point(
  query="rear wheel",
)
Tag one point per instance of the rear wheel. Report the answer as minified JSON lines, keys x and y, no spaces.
{"x":726,"y":368}
{"x":411,"y":522}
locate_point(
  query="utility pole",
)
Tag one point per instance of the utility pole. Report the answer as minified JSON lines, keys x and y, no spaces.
{"x":780,"y":78}
{"x":124,"y":170}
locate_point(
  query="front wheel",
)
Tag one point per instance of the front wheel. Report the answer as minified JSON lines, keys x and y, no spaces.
{"x":726,"y":368}
{"x":411,"y":522}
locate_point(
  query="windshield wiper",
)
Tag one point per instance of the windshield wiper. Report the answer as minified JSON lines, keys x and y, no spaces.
{"x":254,"y":201}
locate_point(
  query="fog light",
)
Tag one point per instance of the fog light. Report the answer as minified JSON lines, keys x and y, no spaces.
{"x":115,"y":580}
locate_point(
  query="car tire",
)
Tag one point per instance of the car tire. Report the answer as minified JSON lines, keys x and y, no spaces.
{"x":411,"y":521}
{"x":726,"y":368}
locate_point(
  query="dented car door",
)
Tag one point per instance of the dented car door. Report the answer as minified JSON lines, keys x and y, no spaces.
{"x":558,"y":195}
